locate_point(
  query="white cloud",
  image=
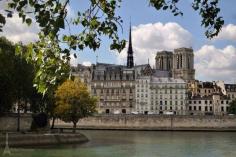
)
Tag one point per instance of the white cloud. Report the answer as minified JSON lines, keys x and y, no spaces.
{"x":228,"y":32}
{"x":212,"y":63}
{"x":87,"y":63}
{"x":149,"y":38}
{"x":73,"y":61}
{"x":16,"y":31}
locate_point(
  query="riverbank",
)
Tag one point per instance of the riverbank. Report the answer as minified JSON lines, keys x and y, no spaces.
{"x":41,"y":139}
{"x":155,"y":122}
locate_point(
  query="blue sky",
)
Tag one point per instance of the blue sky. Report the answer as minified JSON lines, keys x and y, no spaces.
{"x":158,"y":30}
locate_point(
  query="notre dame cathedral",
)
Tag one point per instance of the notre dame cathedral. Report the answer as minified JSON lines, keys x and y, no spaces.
{"x":179,"y":64}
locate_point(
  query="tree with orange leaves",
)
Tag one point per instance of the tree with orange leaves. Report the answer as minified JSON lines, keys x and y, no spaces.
{"x":74,"y":102}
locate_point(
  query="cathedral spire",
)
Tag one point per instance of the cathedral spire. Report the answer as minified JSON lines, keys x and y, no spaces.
{"x":130,"y":58}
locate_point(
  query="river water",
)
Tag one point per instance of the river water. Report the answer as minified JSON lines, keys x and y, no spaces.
{"x":142,"y":144}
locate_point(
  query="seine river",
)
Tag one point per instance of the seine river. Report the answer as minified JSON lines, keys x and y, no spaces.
{"x":142,"y":144}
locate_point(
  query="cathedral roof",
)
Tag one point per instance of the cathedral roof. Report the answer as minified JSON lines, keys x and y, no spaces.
{"x":161,"y":73}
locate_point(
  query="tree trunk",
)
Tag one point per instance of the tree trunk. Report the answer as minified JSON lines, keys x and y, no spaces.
{"x":53,"y":122}
{"x":74,"y":127}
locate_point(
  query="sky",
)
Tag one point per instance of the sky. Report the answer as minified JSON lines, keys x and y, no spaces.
{"x":153,"y":31}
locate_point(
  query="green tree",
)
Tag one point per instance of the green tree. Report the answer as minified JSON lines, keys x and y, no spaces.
{"x":7,"y":91}
{"x":74,"y":102}
{"x":100,"y":19}
{"x":16,"y":77}
{"x":232,"y":107}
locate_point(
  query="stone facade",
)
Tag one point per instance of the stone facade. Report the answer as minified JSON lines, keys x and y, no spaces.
{"x":209,"y":105}
{"x":159,"y":122}
{"x":179,"y":63}
{"x":160,"y":95}
{"x":114,"y":86}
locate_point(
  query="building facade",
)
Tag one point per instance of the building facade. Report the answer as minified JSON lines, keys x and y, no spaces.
{"x":114,"y":87}
{"x":156,"y":95}
{"x":214,"y":104}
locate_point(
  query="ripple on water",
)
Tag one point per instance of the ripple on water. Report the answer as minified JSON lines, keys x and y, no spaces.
{"x":143,"y":144}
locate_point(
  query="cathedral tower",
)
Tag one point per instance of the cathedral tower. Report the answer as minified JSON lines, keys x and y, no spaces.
{"x":164,"y":60}
{"x":183,"y":64}
{"x":130,"y":58}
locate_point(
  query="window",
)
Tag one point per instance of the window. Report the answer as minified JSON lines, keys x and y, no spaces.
{"x":206,"y":102}
{"x":190,"y":108}
{"x":123,"y":111}
{"x":194,"y":108}
{"x":190,"y":102}
{"x":199,"y":102}
{"x":194,"y":102}
{"x":210,"y":102}
{"x":222,"y":109}
{"x":222,"y":102}
{"x":210,"y":108}
{"x":199,"y":108}
{"x":206,"y":108}
{"x":227,"y":108}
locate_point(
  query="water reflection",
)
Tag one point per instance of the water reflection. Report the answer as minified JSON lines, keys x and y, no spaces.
{"x":143,"y":144}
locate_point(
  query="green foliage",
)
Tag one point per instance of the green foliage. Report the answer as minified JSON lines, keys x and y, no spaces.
{"x":74,"y":102}
{"x":209,"y":11}
{"x":100,"y":19}
{"x":7,"y":93}
{"x":232,"y":107}
{"x":16,"y":77}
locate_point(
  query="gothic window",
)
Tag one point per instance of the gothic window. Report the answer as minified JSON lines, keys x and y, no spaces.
{"x":169,"y":64}
{"x":177,"y":61}
{"x":181,"y":61}
{"x":188,"y":66}
{"x":161,"y":62}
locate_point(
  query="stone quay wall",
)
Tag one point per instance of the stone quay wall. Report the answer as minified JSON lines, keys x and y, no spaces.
{"x":34,"y":139}
{"x":8,"y":122}
{"x":157,"y":122}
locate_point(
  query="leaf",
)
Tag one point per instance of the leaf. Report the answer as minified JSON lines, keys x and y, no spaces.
{"x":28,"y":21}
{"x":75,"y":55}
{"x":165,"y":7}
